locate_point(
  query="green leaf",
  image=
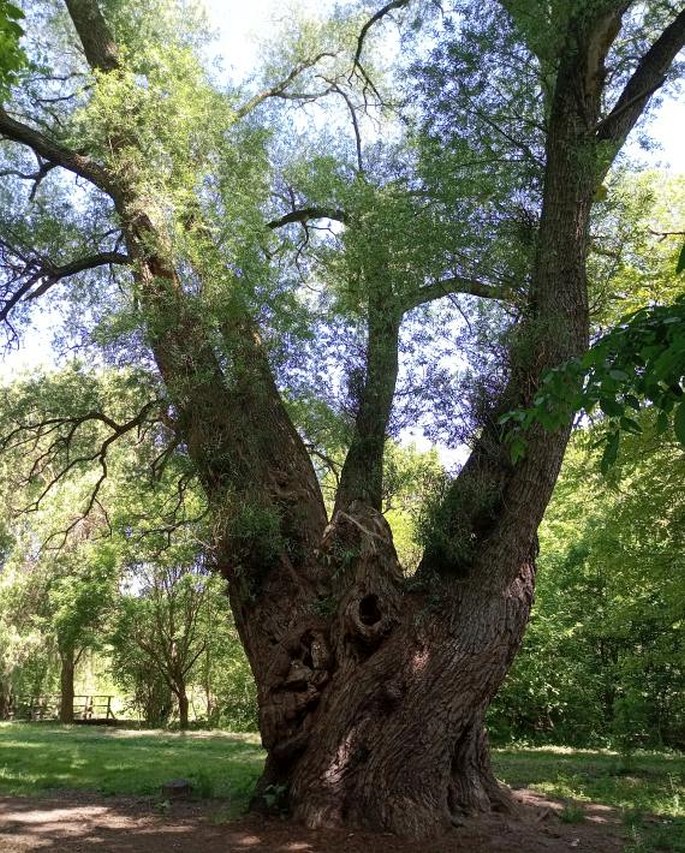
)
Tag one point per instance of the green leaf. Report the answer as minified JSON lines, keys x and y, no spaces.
{"x":610,"y":406}
{"x":517,"y":448}
{"x":12,"y":11}
{"x":630,"y":425}
{"x":661,"y":423}
{"x":679,"y":423}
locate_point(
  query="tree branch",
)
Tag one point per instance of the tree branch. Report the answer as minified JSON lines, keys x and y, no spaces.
{"x":278,"y":89}
{"x":306,"y":214}
{"x":357,"y":67}
{"x":52,"y":274}
{"x":374,"y":19}
{"x":37,"y":176}
{"x":33,"y":435}
{"x":451,"y":286}
{"x":662,"y":235}
{"x":648,"y":77}
{"x":96,"y":38}
{"x":45,"y":274}
{"x":55,"y":153}
{"x":355,"y":124}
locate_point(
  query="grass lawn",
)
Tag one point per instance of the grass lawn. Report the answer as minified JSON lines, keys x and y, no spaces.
{"x":37,"y":757}
{"x":647,"y":788}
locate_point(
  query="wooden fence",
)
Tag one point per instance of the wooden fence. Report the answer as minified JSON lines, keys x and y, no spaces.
{"x":87,"y":709}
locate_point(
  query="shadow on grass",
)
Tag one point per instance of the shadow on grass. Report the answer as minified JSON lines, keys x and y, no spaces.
{"x":647,"y":790}
{"x":72,"y":823}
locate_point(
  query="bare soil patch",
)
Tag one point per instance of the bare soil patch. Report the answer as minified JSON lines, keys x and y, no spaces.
{"x":76,"y":822}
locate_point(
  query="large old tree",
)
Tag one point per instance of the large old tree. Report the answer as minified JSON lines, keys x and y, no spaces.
{"x":141,"y":193}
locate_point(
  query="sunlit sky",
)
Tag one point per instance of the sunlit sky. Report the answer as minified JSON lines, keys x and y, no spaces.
{"x":240,"y":24}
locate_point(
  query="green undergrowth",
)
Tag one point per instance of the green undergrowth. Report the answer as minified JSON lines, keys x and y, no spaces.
{"x":646,"y":788}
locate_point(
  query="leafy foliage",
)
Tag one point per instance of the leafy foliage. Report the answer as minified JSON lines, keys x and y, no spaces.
{"x":640,"y":362}
{"x":602,"y":661}
{"x":13,"y":58}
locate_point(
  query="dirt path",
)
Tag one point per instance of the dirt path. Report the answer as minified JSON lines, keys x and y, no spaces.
{"x":73,"y":822}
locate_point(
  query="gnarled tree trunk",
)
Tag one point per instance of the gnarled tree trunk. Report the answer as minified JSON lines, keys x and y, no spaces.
{"x":372,"y":686}
{"x":374,"y":715}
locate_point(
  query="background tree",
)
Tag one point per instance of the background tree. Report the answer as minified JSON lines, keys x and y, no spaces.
{"x":164,"y":627}
{"x":351,"y":658}
{"x":25,"y":665}
{"x":64,"y":596}
{"x":79,"y":597}
{"x":613,"y":672}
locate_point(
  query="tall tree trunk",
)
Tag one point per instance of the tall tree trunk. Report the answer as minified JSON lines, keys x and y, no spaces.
{"x":378,"y":717}
{"x":362,"y":474}
{"x":5,"y":699}
{"x":66,"y":680}
{"x":208,"y":684}
{"x":183,"y":707}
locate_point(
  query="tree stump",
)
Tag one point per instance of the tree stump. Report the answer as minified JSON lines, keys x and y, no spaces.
{"x":177,"y":789}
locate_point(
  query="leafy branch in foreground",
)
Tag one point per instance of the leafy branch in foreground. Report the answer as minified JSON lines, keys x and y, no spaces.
{"x":13,"y":59}
{"x":638,"y":364}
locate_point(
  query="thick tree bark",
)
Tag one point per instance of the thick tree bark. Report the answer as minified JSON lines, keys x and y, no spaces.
{"x":372,"y":687}
{"x":377,"y":716}
{"x":395,"y":740}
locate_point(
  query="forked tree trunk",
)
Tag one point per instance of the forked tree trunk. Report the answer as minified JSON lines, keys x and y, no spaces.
{"x":398,"y":743}
{"x":372,"y":708}
{"x":373,"y":687}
